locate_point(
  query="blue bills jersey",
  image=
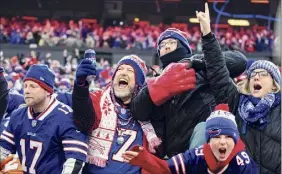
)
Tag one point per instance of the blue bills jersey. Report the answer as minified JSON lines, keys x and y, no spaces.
{"x":133,"y":135}
{"x":65,"y":98}
{"x":193,"y":162}
{"x":15,"y":100}
{"x":45,"y":142}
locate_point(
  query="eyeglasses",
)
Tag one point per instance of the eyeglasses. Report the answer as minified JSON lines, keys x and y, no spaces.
{"x":170,"y":42}
{"x":260,"y":73}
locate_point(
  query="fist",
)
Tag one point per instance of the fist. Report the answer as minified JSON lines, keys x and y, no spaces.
{"x":85,"y":70}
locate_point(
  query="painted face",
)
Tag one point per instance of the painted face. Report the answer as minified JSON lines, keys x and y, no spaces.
{"x":260,"y":83}
{"x":167,"y":46}
{"x":124,"y":82}
{"x":222,"y":146}
{"x":34,"y":94}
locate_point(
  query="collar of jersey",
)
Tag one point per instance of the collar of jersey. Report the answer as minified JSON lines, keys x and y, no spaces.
{"x":52,"y":104}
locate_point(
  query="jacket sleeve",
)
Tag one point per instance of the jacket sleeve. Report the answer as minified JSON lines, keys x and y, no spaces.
{"x":4,"y":95}
{"x":83,"y":111}
{"x":142,"y":105}
{"x":222,"y":86}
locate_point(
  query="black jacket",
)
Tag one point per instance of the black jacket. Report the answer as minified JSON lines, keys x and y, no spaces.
{"x":4,"y":95}
{"x":264,"y":146}
{"x":175,"y":120}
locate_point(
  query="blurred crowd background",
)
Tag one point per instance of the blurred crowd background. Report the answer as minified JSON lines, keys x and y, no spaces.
{"x":142,"y":36}
{"x":57,"y":32}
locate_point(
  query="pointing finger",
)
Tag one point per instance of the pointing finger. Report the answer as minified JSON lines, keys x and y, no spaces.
{"x":207,"y":11}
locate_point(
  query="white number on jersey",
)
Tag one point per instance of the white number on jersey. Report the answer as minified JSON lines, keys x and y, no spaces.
{"x":244,"y":161}
{"x":132,"y":136}
{"x":199,"y":151}
{"x":33,"y":144}
{"x":65,"y":108}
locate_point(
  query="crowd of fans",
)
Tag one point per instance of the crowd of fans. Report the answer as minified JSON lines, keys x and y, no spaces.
{"x":16,"y":67}
{"x":77,"y":34}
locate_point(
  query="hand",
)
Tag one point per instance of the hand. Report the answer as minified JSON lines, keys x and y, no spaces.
{"x":204,"y":19}
{"x":196,"y":62}
{"x":174,"y":80}
{"x":138,"y":156}
{"x":85,"y":69}
{"x":130,"y":155}
{"x":11,"y":165}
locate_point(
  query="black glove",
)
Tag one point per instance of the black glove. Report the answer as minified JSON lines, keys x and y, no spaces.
{"x":197,"y":64}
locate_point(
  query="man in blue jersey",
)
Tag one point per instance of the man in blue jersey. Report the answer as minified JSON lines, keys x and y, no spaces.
{"x":16,"y":100}
{"x":105,"y":115}
{"x":224,"y":152}
{"x":42,"y":133}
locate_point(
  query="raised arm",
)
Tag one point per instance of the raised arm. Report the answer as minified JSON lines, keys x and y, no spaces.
{"x":83,"y":110}
{"x":223,"y":87}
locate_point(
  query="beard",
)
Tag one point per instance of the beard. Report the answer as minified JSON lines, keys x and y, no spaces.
{"x":123,"y":93}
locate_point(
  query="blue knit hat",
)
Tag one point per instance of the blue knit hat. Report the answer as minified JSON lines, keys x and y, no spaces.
{"x":249,"y":63}
{"x":270,"y":67}
{"x":174,"y":34}
{"x":41,"y":75}
{"x":139,"y":66}
{"x":90,"y":54}
{"x":221,"y":122}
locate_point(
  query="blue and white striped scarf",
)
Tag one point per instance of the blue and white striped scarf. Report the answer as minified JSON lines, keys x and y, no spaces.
{"x":254,"y":111}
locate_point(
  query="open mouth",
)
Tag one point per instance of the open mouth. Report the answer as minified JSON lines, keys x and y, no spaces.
{"x":122,"y":83}
{"x":257,"y":87}
{"x":222,"y":151}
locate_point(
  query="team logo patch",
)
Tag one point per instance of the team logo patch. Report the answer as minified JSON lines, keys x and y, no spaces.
{"x":214,"y":131}
{"x":33,"y":123}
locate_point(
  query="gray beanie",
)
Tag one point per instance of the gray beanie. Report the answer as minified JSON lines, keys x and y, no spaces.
{"x":270,"y":67}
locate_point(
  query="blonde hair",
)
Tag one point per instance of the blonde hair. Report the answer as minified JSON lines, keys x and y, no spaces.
{"x":244,"y":87}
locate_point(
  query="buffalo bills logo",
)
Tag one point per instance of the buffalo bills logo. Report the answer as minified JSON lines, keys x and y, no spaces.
{"x":214,"y":131}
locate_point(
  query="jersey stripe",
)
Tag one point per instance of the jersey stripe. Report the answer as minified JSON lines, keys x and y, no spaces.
{"x":7,"y":139}
{"x":74,"y":149}
{"x":75,"y":142}
{"x":175,"y":165}
{"x":8,"y":134}
{"x":182,"y":163}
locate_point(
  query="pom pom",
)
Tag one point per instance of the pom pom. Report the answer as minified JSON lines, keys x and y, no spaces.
{"x":222,"y":107}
